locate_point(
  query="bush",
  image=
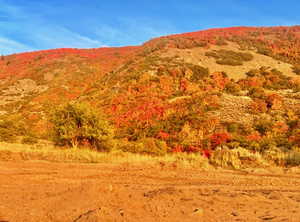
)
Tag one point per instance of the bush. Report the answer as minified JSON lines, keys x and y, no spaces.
{"x":264,"y":51}
{"x":79,"y":124}
{"x":263,"y":126}
{"x":232,"y":127}
{"x":267,"y":143}
{"x":232,"y":88}
{"x":228,"y":57}
{"x":218,"y":139}
{"x":10,"y":128}
{"x":149,"y":146}
{"x":229,"y":62}
{"x":257,"y":93}
{"x":199,"y":73}
{"x":29,"y":140}
{"x":296,"y":69}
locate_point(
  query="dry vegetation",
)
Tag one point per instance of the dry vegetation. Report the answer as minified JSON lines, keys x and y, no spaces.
{"x":17,"y":152}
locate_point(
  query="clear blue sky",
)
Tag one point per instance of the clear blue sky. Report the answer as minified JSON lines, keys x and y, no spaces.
{"x":27,"y":25}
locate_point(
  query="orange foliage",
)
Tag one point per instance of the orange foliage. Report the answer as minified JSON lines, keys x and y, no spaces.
{"x":219,"y":139}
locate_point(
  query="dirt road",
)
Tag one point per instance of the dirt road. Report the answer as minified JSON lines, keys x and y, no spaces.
{"x":42,"y":191}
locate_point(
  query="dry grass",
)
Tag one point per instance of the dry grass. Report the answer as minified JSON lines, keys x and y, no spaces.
{"x":197,"y":56}
{"x":237,"y":158}
{"x":15,"y":152}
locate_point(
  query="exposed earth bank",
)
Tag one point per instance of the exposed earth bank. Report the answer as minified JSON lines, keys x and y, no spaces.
{"x":42,"y":191}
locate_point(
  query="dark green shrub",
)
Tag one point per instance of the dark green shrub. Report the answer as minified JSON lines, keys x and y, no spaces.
{"x":257,"y":93}
{"x":6,"y":135}
{"x":77,"y":124}
{"x":232,"y":127}
{"x":150,"y":146}
{"x":264,"y":51}
{"x":10,"y":128}
{"x":228,"y":57}
{"x":293,"y":158}
{"x":212,"y":54}
{"x":253,"y":72}
{"x":229,"y":62}
{"x":296,"y":69}
{"x":267,"y":143}
{"x":232,"y":88}
{"x":199,"y":73}
{"x":241,"y":140}
{"x":29,"y":140}
{"x":263,"y":126}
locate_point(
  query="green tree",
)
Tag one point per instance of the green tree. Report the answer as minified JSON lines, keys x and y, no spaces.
{"x":78,"y":124}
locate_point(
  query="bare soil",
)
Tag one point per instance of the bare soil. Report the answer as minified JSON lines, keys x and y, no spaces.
{"x":44,"y":191}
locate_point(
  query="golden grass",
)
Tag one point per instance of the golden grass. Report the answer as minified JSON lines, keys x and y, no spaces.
{"x":238,"y":158}
{"x":15,"y":152}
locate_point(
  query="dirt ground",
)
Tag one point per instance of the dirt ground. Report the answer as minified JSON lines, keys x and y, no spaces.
{"x":44,"y":191}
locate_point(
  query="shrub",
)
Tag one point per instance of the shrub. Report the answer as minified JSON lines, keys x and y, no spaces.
{"x":232,"y":88}
{"x":264,"y":51}
{"x":228,"y":57}
{"x":229,"y":62}
{"x":29,"y":140}
{"x":263,"y":126}
{"x":219,"y":139}
{"x":258,"y":106}
{"x":267,"y":143}
{"x":257,"y":92}
{"x":293,"y":158}
{"x":296,"y":69}
{"x":232,"y":127}
{"x":149,"y":146}
{"x":10,"y":128}
{"x":79,"y":124}
{"x":199,"y":72}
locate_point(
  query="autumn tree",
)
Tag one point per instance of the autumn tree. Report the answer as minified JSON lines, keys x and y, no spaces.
{"x":78,"y":124}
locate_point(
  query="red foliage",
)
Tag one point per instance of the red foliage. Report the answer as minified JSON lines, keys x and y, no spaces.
{"x":295,"y":138}
{"x":274,"y":101}
{"x":255,"y":136}
{"x":258,"y":106}
{"x":163,"y":135}
{"x":206,"y":153}
{"x":281,"y":127}
{"x":192,"y":149}
{"x":219,"y":80}
{"x":178,"y":149}
{"x":183,"y":85}
{"x":219,"y":139}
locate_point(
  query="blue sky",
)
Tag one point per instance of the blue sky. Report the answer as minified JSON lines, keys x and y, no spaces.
{"x":27,"y":25}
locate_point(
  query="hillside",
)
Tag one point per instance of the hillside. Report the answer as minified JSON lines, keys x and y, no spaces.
{"x":190,"y":92}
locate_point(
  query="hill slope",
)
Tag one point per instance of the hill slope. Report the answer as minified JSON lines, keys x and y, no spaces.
{"x":182,"y":89}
